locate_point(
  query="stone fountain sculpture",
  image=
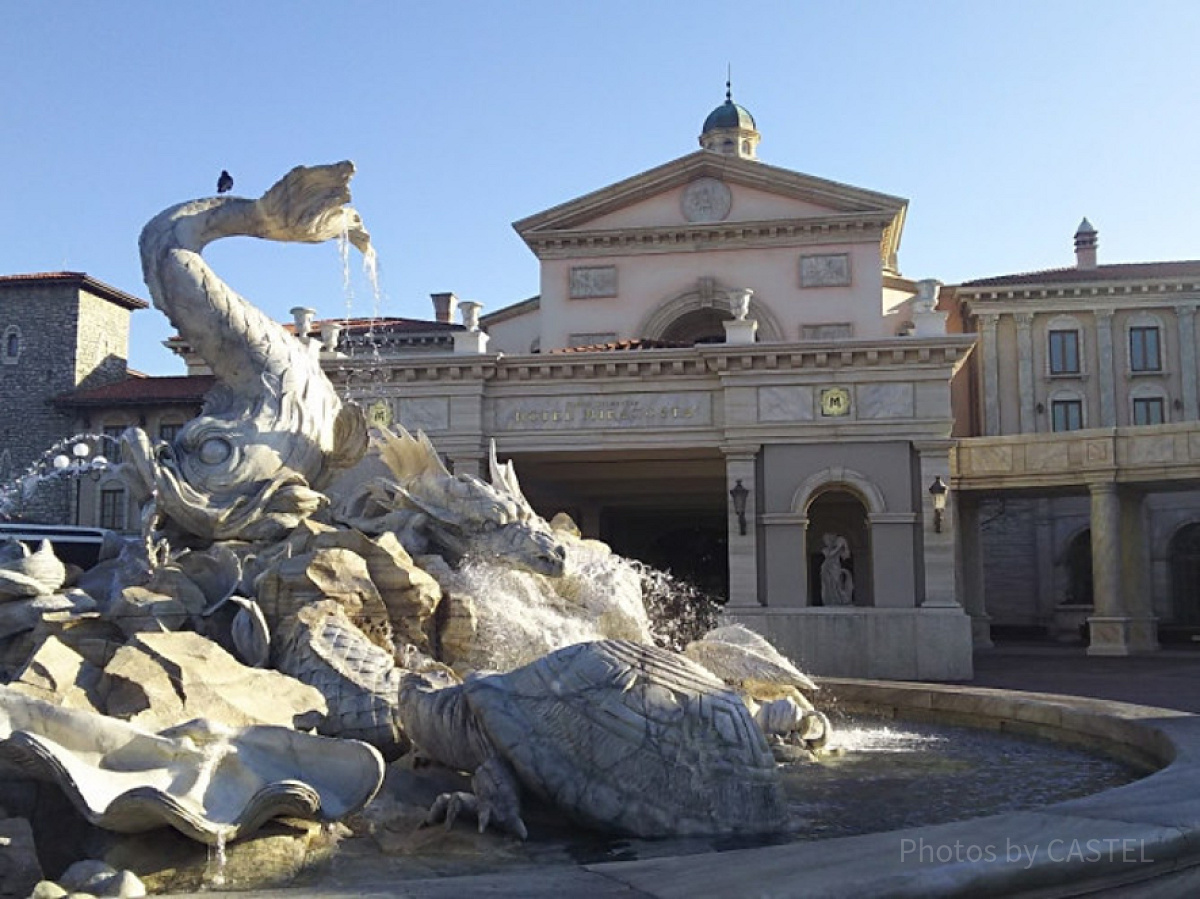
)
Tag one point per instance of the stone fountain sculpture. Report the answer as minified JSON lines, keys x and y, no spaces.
{"x":277,"y":534}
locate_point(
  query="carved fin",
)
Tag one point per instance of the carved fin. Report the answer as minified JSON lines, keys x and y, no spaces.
{"x":504,"y":478}
{"x":409,"y":457}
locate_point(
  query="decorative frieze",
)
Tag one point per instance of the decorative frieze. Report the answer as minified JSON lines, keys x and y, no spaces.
{"x":825,"y":270}
{"x":593,"y":281}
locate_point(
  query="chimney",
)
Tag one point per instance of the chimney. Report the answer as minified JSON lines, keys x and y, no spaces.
{"x":1085,"y":245}
{"x":444,"y":307}
{"x":302,"y":316}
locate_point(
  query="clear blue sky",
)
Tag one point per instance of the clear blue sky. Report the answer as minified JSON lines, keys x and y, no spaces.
{"x":1003,"y":123}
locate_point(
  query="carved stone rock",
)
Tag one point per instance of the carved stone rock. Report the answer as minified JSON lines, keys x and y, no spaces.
{"x":141,"y":610}
{"x":332,"y":574}
{"x":59,"y":675}
{"x":161,"y":680}
{"x":410,"y":595}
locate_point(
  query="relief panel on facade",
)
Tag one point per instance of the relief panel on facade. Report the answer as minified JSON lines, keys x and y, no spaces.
{"x":884,"y":400}
{"x":827,"y":331}
{"x":592,"y":281}
{"x":785,"y":403}
{"x":632,"y":411}
{"x":825,"y":270}
{"x":425,"y":414}
{"x":706,"y":200}
{"x":1152,"y":450}
{"x":1047,"y":456}
{"x":985,"y":459}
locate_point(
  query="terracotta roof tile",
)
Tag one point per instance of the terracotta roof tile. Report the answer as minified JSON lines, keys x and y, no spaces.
{"x":79,"y":279}
{"x":142,"y":390}
{"x":640,"y":343}
{"x":1124,"y":271}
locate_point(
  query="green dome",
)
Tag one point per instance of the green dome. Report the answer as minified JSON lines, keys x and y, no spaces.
{"x":728,"y":115}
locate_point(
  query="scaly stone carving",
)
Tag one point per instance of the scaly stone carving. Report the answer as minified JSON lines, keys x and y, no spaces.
{"x":457,"y":515}
{"x":617,"y":735}
{"x":209,"y":782}
{"x":273,"y":430}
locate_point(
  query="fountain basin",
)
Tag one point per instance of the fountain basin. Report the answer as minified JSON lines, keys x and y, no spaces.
{"x":1148,"y":830}
{"x":1141,"y":836}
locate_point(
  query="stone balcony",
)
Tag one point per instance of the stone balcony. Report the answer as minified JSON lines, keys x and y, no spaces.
{"x":1145,"y":455}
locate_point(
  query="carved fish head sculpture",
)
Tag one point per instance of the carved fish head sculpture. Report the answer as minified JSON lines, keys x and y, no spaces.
{"x":273,"y":429}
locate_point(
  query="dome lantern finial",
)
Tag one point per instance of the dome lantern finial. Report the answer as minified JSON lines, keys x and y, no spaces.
{"x":730,"y":129}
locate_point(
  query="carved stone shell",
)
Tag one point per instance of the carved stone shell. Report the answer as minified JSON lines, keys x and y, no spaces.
{"x":627,"y":737}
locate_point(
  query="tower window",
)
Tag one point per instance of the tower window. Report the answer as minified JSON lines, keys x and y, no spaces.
{"x":12,"y":345}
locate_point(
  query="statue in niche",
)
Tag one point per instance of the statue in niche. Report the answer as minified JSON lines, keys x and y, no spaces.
{"x":837,"y":583}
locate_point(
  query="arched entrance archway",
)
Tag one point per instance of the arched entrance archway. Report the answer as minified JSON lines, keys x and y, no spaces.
{"x":1183,"y":557}
{"x":698,"y":326}
{"x":1078,"y":561}
{"x":837,"y":514}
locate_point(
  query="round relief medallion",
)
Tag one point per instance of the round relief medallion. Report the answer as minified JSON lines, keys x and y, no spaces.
{"x":706,"y":200}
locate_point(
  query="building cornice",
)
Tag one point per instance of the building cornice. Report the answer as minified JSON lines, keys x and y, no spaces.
{"x":842,"y":228}
{"x":1006,"y":299}
{"x":844,"y":360}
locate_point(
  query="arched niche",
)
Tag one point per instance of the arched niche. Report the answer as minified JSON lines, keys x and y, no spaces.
{"x":707,"y":304}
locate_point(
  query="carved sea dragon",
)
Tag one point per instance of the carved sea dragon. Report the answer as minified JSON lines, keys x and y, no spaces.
{"x":273,"y":429}
{"x":458,"y":514}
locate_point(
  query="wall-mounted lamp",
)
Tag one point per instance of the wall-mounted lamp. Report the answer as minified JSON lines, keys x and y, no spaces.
{"x":938,"y":491}
{"x":1178,"y":404}
{"x":738,"y":494}
{"x":1041,"y":409}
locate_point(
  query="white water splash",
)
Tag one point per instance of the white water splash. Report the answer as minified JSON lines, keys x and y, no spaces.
{"x":882,"y":739}
{"x":217,"y":862}
{"x":521,"y":616}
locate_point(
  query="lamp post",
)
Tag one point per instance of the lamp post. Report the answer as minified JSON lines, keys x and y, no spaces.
{"x":738,"y":494}
{"x":938,"y":491}
{"x":76,"y":465}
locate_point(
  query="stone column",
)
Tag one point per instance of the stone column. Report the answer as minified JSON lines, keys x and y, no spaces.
{"x":1187,"y":360}
{"x":743,"y":548}
{"x":1118,"y":627}
{"x":893,"y":560}
{"x":1142,"y":628}
{"x":991,"y":375}
{"x":1028,"y":423}
{"x":969,"y":569}
{"x":937,"y":546}
{"x":1104,"y":368}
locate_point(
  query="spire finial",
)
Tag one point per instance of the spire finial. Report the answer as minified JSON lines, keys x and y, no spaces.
{"x":729,"y":82}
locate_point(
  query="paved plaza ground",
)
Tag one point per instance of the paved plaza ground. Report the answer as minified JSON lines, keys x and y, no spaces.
{"x":1169,"y":678}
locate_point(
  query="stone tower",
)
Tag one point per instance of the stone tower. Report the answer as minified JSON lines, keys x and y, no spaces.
{"x":59,"y":332}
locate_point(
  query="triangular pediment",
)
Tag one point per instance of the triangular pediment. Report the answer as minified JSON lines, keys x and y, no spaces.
{"x":651,"y":199}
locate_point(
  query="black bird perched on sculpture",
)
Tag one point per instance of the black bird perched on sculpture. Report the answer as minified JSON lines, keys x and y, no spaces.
{"x":225,"y":182}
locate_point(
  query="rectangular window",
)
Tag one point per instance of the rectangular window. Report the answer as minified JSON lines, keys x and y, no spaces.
{"x":1143,"y":349}
{"x":167,"y":432}
{"x":112,"y":508}
{"x":114,"y":431}
{"x":1067,"y":414}
{"x":1148,"y":410}
{"x":1064,"y":353}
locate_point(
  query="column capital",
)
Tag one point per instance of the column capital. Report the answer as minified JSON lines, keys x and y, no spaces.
{"x":1103,"y":317}
{"x":1023,"y":319}
{"x":741,"y":451}
{"x":1186,"y":309}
